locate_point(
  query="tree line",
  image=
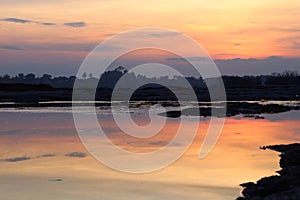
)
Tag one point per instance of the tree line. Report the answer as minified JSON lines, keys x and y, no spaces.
{"x":109,"y":78}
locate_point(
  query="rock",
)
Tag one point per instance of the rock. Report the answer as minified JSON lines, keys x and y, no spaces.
{"x":286,"y":185}
{"x":250,"y":110}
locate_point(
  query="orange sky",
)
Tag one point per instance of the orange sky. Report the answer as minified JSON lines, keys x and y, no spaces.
{"x":227,"y":29}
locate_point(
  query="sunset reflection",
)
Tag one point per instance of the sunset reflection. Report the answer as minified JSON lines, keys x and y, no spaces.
{"x":236,"y":158}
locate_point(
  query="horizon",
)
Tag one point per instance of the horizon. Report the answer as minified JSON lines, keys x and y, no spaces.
{"x":254,"y":67}
{"x":285,"y":73}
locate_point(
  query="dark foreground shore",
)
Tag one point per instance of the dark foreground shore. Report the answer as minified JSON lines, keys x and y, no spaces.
{"x":247,"y":109}
{"x":285,"y":185}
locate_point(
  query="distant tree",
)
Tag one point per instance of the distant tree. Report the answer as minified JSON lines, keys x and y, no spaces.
{"x":91,"y":75}
{"x":46,"y":77}
{"x":84,"y":75}
{"x":289,"y":73}
{"x":6,"y":77}
{"x":20,"y":76}
{"x":72,"y":78}
{"x":121,"y":70}
{"x":275,"y":74}
{"x":30,"y":76}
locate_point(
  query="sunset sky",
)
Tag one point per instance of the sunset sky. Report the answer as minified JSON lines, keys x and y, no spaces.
{"x":54,"y":36}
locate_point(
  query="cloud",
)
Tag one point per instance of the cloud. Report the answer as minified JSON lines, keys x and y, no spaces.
{"x":107,"y":48}
{"x":48,"y":155}
{"x":195,"y":58}
{"x":241,"y":66}
{"x":11,"y":47}
{"x":75,"y":24}
{"x":47,"y":23}
{"x":253,"y":66}
{"x":158,"y":143}
{"x":17,"y":20}
{"x":295,"y":45}
{"x":76,"y":154}
{"x":252,"y":60}
{"x":26,"y":21}
{"x":164,"y":34}
{"x":10,"y":132}
{"x":163,"y":143}
{"x":109,"y":34}
{"x":74,"y":47}
{"x":264,"y":29}
{"x":17,"y":159}
{"x":56,"y":180}
{"x":291,"y":42}
{"x":24,"y":158}
{"x":292,"y":29}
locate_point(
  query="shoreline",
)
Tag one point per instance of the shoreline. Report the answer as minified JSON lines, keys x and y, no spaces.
{"x":285,"y":185}
{"x":250,"y":109}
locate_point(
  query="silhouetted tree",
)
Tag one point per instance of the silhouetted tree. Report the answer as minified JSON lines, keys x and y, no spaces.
{"x":30,"y":76}
{"x":84,"y":75}
{"x":46,"y":77}
{"x":21,"y":76}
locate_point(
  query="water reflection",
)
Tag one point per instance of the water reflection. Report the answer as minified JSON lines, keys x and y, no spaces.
{"x":28,"y":139}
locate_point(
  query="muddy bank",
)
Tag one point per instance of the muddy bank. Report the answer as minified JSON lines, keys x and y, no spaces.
{"x":251,"y":110}
{"x":285,"y":185}
{"x":26,"y":93}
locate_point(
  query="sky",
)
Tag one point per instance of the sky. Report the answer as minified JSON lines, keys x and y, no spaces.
{"x":243,"y":37}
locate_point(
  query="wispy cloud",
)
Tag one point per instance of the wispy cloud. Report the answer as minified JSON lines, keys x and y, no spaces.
{"x":164,"y":34}
{"x":27,"y":21}
{"x":158,"y":143}
{"x":254,"y":66}
{"x":254,"y":30}
{"x":291,"y":29}
{"x":195,"y":58}
{"x":48,"y":155}
{"x":10,"y":132}
{"x":26,"y":158}
{"x":244,"y":66}
{"x":56,"y":180}
{"x":11,"y":47}
{"x":76,"y":154}
{"x":17,"y":159}
{"x":75,"y":24}
{"x":47,"y":23}
{"x":17,"y":20}
{"x":74,"y":47}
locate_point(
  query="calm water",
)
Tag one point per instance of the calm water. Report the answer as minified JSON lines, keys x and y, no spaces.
{"x":35,"y":146}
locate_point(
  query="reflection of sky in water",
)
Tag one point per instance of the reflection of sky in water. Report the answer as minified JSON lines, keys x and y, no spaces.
{"x":34,"y":149}
{"x":291,"y":115}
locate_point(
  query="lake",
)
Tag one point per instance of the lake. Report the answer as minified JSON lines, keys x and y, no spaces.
{"x":42,"y":157}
